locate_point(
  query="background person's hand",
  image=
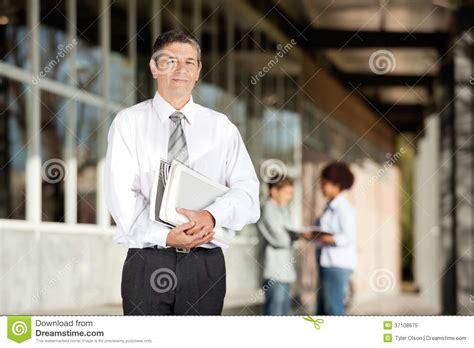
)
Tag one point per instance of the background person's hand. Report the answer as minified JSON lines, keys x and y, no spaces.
{"x":204,"y":221}
{"x":326,"y":239}
{"x":178,"y":238}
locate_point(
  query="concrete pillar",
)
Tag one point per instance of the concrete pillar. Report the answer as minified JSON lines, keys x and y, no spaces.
{"x":456,"y":170}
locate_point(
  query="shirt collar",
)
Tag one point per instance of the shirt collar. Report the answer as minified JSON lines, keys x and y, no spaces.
{"x":335,"y":201}
{"x":165,"y":110}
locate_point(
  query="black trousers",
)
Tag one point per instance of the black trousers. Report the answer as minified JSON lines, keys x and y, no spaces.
{"x":164,"y":282}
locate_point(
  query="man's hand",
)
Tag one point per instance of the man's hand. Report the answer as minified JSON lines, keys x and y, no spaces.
{"x":204,"y":220}
{"x":178,"y":238}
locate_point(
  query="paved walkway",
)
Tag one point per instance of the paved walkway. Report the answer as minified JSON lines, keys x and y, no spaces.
{"x":402,"y":304}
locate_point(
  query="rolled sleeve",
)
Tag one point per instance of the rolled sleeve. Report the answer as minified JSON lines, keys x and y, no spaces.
{"x":240,"y":205}
{"x":124,"y":200}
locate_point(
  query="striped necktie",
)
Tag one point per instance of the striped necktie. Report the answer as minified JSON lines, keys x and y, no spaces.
{"x":177,"y":148}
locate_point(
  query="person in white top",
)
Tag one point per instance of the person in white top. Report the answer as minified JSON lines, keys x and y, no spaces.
{"x":336,"y":250}
{"x":178,"y":270}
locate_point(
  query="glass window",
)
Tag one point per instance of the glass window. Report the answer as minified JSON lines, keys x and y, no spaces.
{"x":13,"y":151}
{"x":88,"y":135}
{"x":216,"y":98}
{"x":54,"y":170}
{"x":54,"y":47}
{"x":121,"y":88}
{"x":315,"y":125}
{"x":89,"y":65}
{"x":281,"y":134}
{"x":14,"y":36}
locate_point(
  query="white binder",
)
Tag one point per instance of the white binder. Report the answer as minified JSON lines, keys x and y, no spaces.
{"x":183,"y":188}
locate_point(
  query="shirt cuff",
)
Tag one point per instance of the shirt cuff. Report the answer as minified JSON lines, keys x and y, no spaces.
{"x":219,"y":213}
{"x":158,"y":235}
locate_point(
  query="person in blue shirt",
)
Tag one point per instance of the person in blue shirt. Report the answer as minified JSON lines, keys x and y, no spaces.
{"x":336,"y":250}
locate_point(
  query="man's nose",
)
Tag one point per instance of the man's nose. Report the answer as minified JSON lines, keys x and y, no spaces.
{"x":181,"y":66}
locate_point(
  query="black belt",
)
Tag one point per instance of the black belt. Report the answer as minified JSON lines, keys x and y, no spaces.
{"x":178,"y":250}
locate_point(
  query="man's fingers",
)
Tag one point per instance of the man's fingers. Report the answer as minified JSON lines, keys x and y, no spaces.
{"x":194,"y":230}
{"x":199,"y":235}
{"x":208,"y":238}
{"x":185,"y":226}
{"x":203,"y":239}
{"x":185,"y":212}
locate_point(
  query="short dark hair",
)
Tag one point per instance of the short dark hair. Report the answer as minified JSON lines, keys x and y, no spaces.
{"x":339,"y":174}
{"x":279,"y":182}
{"x":171,"y":36}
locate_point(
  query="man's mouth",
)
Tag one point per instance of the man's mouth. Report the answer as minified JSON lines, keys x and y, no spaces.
{"x":178,"y":79}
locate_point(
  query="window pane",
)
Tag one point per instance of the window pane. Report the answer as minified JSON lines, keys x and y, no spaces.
{"x":121,"y":87}
{"x":88,"y":63}
{"x":236,"y":110}
{"x":55,"y":48}
{"x":281,"y":134}
{"x":13,"y":152}
{"x":216,"y":98}
{"x":53,"y":170}
{"x":14,"y":37}
{"x":88,"y":133}
{"x":146,"y":86}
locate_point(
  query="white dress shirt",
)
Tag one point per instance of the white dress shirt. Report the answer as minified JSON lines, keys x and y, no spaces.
{"x":339,"y":219}
{"x":138,"y":139}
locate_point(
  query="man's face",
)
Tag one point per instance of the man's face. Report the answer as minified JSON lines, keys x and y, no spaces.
{"x":282,"y":195}
{"x":176,"y":69}
{"x":329,"y":189}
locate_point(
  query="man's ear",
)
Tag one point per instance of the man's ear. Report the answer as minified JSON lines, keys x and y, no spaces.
{"x":154,"y":69}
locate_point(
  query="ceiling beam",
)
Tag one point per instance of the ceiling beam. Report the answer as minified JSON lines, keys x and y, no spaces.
{"x":310,"y":37}
{"x":328,"y":38}
{"x":365,"y":79}
{"x":402,"y":117}
{"x":403,"y":110}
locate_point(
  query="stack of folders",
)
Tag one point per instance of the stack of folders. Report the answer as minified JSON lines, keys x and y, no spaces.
{"x":175,"y":185}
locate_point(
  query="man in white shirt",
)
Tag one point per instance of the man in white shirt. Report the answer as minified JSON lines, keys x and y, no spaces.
{"x":179,"y":270}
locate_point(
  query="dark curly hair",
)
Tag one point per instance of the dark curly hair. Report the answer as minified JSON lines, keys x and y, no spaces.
{"x":339,"y":174}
